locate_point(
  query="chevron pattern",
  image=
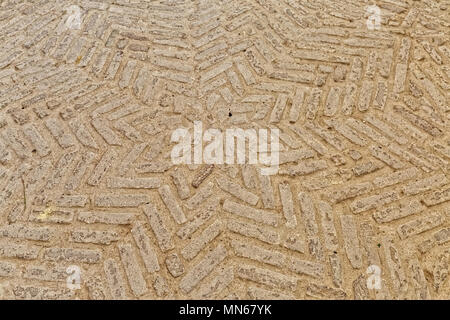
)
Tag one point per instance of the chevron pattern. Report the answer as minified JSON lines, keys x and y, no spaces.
{"x":86,"y":178}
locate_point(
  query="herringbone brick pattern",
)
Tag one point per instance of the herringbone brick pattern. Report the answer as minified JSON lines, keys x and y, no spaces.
{"x":86,"y":177}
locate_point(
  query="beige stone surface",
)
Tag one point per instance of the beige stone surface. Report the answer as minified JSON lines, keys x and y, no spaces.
{"x":88,"y":188}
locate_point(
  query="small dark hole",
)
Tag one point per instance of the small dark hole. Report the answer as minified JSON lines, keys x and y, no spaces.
{"x":229,"y":114}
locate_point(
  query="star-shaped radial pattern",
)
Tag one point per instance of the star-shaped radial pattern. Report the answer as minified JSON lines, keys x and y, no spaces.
{"x":92,"y":205}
